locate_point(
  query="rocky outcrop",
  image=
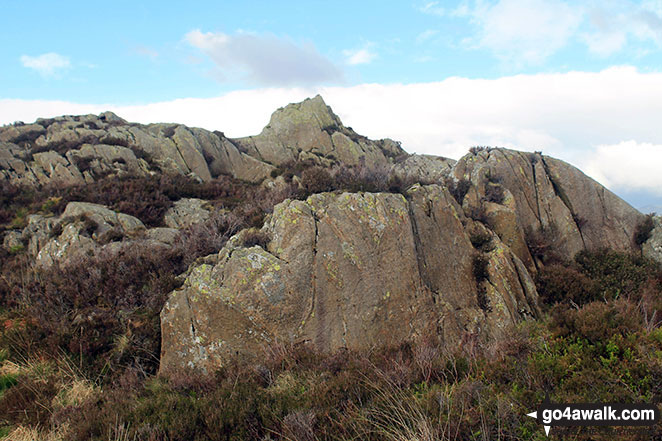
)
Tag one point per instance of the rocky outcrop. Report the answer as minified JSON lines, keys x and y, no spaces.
{"x":310,"y":130}
{"x":452,"y":260}
{"x":83,"y":228}
{"x":346,"y":270}
{"x":524,"y":195}
{"x":72,"y":150}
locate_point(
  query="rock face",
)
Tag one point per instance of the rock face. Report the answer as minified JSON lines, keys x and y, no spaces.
{"x":546,"y":197}
{"x":426,"y":168}
{"x":345,"y":270}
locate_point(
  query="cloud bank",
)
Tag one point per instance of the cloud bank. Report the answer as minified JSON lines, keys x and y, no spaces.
{"x":606,"y":123}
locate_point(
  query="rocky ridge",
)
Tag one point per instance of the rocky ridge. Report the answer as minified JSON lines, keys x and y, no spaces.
{"x":71,"y":150}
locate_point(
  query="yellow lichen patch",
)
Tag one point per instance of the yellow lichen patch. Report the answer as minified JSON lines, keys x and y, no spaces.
{"x":350,"y":254}
{"x":333,"y":273}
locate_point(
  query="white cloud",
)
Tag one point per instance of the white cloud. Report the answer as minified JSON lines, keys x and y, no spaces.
{"x":359,"y":56}
{"x":614,"y":24}
{"x":522,"y":31}
{"x":46,"y":64}
{"x":426,"y":35}
{"x":265,"y":59}
{"x":432,"y":8}
{"x":575,"y":116}
{"x":629,"y":165}
{"x":529,"y":31}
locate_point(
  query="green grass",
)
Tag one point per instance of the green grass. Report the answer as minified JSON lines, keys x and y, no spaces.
{"x":7,"y":381}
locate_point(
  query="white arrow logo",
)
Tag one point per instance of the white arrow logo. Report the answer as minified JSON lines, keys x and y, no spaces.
{"x":535,"y":415}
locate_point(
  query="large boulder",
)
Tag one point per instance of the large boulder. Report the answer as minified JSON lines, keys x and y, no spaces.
{"x":345,"y":271}
{"x":186,"y":212}
{"x":424,"y":168}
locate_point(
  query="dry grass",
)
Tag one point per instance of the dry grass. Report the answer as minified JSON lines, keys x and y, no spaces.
{"x":36,"y":434}
{"x":397,"y":416}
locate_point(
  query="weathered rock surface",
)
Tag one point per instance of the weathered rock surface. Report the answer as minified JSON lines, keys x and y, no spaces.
{"x":186,"y":212}
{"x":345,"y":270}
{"x":425,"y":168}
{"x":543,"y":195}
{"x":310,"y":130}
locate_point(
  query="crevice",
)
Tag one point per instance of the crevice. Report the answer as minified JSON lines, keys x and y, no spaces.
{"x":535,"y":185}
{"x":420,"y":258}
{"x":181,"y":156}
{"x":193,"y":319}
{"x":530,"y":302}
{"x":560,"y":193}
{"x":313,"y":275}
{"x":257,"y":151}
{"x":514,"y":173}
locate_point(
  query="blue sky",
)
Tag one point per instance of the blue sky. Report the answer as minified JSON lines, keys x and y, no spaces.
{"x":579,"y":80}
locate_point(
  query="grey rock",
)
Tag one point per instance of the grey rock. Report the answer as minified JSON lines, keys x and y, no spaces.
{"x":186,"y":212}
{"x":327,"y":279}
{"x":652,"y":248}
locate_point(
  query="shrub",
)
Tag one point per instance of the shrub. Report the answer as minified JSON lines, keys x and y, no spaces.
{"x":169,"y":131}
{"x":458,"y":189}
{"x":598,"y":322}
{"x":479,"y":214}
{"x":643,"y":230}
{"x":541,"y":242}
{"x":618,"y":274}
{"x":24,"y":402}
{"x":317,"y":180}
{"x":362,"y":177}
{"x":255,"y":237}
{"x":480,"y":265}
{"x":205,"y":238}
{"x":481,"y":241}
{"x":103,"y":308}
{"x":478,"y":148}
{"x":558,"y":283}
{"x":494,"y":193}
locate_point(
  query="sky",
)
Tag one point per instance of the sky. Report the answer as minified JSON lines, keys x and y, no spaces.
{"x":579,"y":80}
